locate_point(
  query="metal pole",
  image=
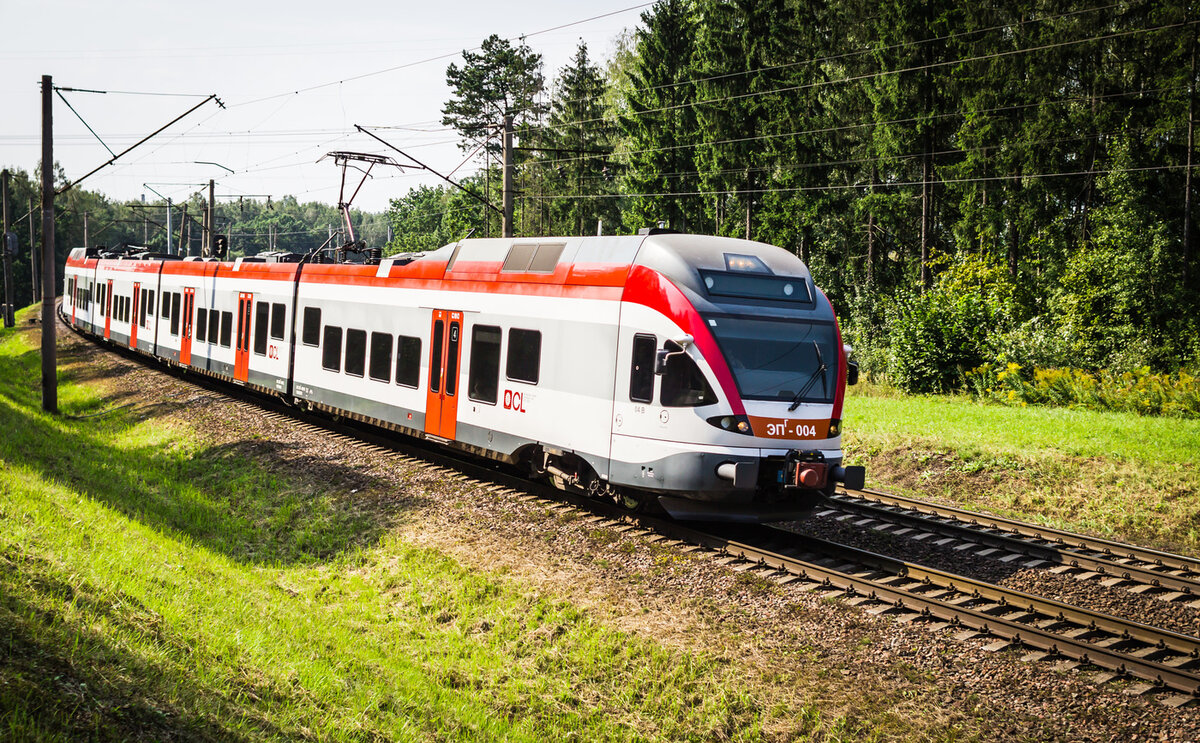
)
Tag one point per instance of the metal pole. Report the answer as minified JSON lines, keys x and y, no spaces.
{"x":86,"y":242}
{"x":9,"y":300}
{"x":507,"y":185}
{"x":49,"y":352}
{"x":35,"y":283}
{"x":183,"y":226}
{"x":209,"y":226}
{"x":169,"y":235}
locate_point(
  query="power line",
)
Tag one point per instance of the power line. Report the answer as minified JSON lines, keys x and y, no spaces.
{"x":856,"y":53}
{"x":435,"y":58}
{"x":880,"y":74}
{"x":849,"y":127}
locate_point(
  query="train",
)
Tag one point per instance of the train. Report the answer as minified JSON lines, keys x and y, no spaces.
{"x":699,"y":375}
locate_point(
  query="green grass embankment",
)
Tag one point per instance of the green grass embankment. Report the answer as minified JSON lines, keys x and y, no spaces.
{"x":1117,"y":475}
{"x":153,"y":587}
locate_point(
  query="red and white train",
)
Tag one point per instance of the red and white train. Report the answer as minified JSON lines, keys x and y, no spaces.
{"x":705,"y":372}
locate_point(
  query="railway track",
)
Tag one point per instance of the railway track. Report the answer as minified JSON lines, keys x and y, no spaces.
{"x":1161,"y":575}
{"x":1166,"y":663}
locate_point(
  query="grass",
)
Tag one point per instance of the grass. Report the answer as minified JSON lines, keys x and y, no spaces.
{"x":154,"y":587}
{"x":1118,"y":475}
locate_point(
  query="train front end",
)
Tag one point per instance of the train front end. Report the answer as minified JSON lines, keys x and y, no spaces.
{"x":752,"y":368}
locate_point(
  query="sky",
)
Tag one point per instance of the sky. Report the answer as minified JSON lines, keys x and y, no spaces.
{"x":294,"y":77}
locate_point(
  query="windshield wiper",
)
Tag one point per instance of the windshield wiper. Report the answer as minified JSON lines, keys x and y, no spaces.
{"x":820,"y":371}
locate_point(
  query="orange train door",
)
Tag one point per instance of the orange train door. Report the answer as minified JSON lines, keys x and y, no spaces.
{"x":108,"y":310}
{"x":185,"y":327}
{"x":441,"y":405}
{"x":241,"y":354}
{"x":133,"y":316}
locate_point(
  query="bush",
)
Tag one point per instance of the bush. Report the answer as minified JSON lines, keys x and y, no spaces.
{"x":1137,"y":391}
{"x":936,"y":338}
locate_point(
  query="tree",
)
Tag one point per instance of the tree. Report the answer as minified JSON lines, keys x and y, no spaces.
{"x":574,"y":151}
{"x":500,"y":81}
{"x":659,"y":121}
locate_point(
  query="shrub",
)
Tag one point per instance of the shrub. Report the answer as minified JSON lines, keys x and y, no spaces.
{"x":936,"y":338}
{"x":1136,"y":391}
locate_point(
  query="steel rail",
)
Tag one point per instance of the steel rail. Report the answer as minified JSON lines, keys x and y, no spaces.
{"x":1184,"y":680}
{"x":1063,"y":555}
{"x":1051,"y":535}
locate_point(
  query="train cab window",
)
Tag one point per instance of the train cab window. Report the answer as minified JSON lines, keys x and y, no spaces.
{"x":312,"y":326}
{"x":226,"y":329}
{"x":262,"y":314}
{"x":524,"y":355}
{"x":408,"y":361}
{"x":331,"y":351}
{"x":641,"y":376}
{"x":278,"y":320}
{"x":176,"y":298}
{"x":356,"y":352}
{"x":381,"y":357}
{"x":201,"y":324}
{"x":684,"y":385}
{"x":484,"y":379}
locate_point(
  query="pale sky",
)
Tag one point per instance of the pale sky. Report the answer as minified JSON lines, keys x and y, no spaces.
{"x":255,"y":56}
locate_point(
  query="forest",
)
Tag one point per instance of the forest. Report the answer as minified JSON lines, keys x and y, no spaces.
{"x":1000,"y":184}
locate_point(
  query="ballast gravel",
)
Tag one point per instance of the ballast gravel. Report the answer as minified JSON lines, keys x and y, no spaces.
{"x":799,"y":646}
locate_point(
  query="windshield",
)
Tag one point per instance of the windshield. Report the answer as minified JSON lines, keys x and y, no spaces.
{"x":777,"y":359}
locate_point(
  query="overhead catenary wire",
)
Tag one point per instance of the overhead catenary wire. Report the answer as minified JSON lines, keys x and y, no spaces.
{"x":877,"y":74}
{"x":434,"y":58}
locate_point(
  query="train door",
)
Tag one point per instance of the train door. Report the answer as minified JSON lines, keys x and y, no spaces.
{"x":445,"y":343}
{"x":185,"y":327}
{"x":133,"y":316}
{"x":241,"y":356}
{"x":108,"y":310}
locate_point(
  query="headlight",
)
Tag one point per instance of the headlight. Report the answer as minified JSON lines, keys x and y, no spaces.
{"x":732,"y":423}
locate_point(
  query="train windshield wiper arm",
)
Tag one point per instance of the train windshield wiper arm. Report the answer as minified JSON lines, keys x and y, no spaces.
{"x":820,"y":371}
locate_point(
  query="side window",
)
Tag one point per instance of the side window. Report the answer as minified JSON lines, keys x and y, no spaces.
{"x":484,"y":379}
{"x":356,"y":352}
{"x":166,"y":305}
{"x":150,"y":302}
{"x":331,"y":353}
{"x":214,"y":325}
{"x":227,"y":329}
{"x":524,"y":355}
{"x":262,"y":314}
{"x":142,"y":307}
{"x":201,"y":324}
{"x":381,"y":356}
{"x":312,"y":326}
{"x":435,"y":356}
{"x":408,"y":361}
{"x":684,"y":385}
{"x":278,"y":320}
{"x":641,"y":376}
{"x":452,"y":357}
{"x":175,"y":299}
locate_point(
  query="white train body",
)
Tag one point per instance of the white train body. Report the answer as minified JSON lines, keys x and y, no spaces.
{"x":708,"y":372}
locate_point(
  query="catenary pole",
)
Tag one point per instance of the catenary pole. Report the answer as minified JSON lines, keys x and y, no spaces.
{"x":35,"y":282}
{"x":49,"y":356}
{"x":9,"y":300}
{"x":507,"y":185}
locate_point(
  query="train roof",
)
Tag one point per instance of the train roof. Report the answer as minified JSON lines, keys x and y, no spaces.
{"x":717,"y":274}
